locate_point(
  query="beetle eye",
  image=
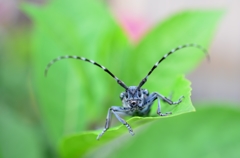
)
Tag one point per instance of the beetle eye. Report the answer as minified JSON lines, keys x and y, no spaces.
{"x":139,"y":94}
{"x":126,"y":95}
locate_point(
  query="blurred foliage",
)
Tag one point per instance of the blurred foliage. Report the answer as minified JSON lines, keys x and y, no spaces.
{"x":20,"y":128}
{"x":18,"y":135}
{"x":211,"y":132}
{"x":36,"y":113}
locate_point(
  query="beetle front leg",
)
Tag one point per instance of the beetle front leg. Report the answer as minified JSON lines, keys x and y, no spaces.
{"x":115,"y":110}
{"x":107,"y":124}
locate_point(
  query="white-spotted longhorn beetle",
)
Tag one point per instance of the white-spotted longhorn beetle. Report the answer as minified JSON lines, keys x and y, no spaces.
{"x":135,"y":100}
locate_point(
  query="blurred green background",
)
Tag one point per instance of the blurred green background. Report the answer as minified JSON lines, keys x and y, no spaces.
{"x":43,"y":117}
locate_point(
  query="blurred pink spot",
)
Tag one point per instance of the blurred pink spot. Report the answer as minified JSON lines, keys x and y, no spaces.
{"x":135,"y":27}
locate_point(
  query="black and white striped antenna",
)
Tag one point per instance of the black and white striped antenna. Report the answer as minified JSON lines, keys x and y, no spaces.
{"x":121,"y":83}
{"x":144,"y":80}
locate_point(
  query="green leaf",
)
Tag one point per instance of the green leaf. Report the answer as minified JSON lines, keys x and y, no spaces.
{"x":75,"y":97}
{"x":211,"y":132}
{"x":80,"y":144}
{"x":71,"y":94}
